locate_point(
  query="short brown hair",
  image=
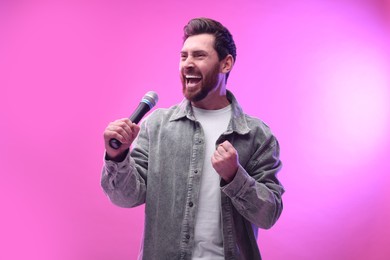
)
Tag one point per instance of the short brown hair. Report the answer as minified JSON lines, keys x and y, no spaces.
{"x":224,"y":43}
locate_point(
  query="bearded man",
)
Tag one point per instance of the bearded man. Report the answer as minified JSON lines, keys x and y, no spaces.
{"x":206,"y":171}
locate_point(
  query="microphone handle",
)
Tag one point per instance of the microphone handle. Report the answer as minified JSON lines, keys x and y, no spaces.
{"x":139,"y":113}
{"x":141,"y":110}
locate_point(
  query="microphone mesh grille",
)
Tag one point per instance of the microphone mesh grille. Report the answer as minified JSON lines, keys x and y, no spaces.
{"x":152,"y":97}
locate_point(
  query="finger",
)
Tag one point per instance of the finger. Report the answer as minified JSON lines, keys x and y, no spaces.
{"x":120,"y":129}
{"x":229,"y":148}
{"x":120,"y":136}
{"x":134,"y":132}
{"x":214,"y":162}
{"x":220,"y":150}
{"x":227,"y":145}
{"x":125,"y":123}
{"x":220,"y":146}
{"x":218,"y":155}
{"x":125,"y":132}
{"x":131,"y":130}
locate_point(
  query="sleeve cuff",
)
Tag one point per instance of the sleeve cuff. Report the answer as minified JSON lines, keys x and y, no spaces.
{"x":241,"y":182}
{"x":112,"y":166}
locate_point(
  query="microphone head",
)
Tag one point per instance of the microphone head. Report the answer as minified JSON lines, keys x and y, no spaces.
{"x":150,"y":98}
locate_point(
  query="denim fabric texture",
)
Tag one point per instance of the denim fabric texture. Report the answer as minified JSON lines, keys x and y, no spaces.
{"x":163,"y":171}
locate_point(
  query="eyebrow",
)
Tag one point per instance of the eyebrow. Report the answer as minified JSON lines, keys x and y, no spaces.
{"x":197,"y":52}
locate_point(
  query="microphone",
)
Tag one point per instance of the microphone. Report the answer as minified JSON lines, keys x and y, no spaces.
{"x":148,"y":102}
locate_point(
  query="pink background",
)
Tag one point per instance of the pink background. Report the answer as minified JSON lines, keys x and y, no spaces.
{"x":318,"y":72}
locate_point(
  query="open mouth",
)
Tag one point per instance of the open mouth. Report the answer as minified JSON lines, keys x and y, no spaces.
{"x":192,"y":80}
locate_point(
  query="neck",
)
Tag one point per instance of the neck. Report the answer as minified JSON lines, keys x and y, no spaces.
{"x":216,"y":99}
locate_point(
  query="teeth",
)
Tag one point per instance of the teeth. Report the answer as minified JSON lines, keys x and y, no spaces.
{"x":193,"y":77}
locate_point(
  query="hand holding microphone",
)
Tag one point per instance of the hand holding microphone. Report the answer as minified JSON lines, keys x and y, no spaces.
{"x":120,"y":134}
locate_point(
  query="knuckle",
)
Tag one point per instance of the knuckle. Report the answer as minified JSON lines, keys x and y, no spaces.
{"x":122,"y":124}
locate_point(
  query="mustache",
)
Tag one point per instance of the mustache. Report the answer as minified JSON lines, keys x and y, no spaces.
{"x":192,"y":71}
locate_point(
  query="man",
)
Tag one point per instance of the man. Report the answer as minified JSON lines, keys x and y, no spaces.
{"x":205,"y":170}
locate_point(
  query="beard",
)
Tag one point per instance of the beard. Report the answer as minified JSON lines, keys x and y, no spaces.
{"x":207,"y":84}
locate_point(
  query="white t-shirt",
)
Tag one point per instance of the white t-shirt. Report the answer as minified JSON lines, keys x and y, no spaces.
{"x":208,"y":223}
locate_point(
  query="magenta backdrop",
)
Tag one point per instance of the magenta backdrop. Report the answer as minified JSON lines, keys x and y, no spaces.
{"x":318,"y":72}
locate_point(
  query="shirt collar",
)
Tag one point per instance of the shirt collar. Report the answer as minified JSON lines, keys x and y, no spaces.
{"x":237,"y":123}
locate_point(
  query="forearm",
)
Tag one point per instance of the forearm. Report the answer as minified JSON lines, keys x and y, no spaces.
{"x":260,"y":203}
{"x":122,"y":183}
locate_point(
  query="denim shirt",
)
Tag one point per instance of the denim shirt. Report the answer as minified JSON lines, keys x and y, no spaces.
{"x":164,"y":169}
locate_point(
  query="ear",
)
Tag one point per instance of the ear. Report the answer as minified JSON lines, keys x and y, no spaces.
{"x":227,"y":64}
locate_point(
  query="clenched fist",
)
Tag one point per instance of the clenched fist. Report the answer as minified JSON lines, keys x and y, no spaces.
{"x":225,"y":161}
{"x":124,"y":131}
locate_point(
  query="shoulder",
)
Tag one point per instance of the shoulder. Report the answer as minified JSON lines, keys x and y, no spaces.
{"x":259,"y":128}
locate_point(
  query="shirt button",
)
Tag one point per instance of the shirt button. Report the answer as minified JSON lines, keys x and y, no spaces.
{"x":188,"y":236}
{"x":190,"y":204}
{"x":196,"y":171}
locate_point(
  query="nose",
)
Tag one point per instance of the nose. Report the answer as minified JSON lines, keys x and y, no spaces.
{"x":187,"y":62}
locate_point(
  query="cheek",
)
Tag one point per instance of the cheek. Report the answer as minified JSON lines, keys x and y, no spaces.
{"x":202,"y":69}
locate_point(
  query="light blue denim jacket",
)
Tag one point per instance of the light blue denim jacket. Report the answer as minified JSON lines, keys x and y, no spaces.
{"x":164,"y":168}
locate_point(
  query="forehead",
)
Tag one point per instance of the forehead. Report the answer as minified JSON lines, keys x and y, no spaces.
{"x":199,"y":42}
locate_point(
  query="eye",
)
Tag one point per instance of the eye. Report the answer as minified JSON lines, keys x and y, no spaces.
{"x":183,"y":56}
{"x":199,"y":55}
